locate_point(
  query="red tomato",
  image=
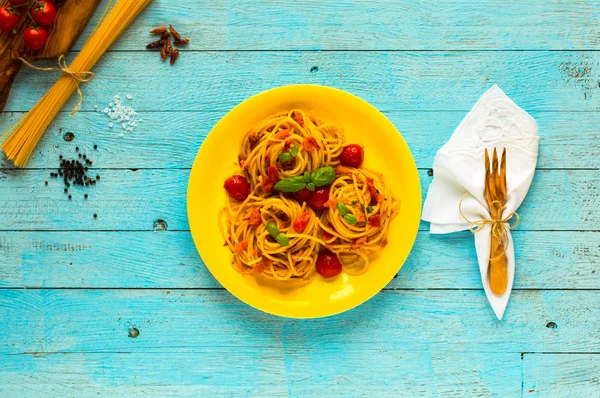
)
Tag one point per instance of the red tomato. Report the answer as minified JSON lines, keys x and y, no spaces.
{"x":301,"y":222}
{"x":237,"y":187}
{"x":352,"y":155}
{"x":328,"y":265}
{"x":375,"y":221}
{"x":35,"y":38}
{"x":43,"y":13}
{"x":302,"y":195}
{"x":17,"y":2}
{"x":318,"y":198}
{"x":272,"y":178}
{"x":9,"y":18}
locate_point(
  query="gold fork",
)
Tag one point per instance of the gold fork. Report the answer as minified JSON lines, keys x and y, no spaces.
{"x":495,"y":195}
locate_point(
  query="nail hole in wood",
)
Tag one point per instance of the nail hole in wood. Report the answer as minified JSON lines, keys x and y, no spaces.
{"x":134,"y":332}
{"x":551,"y":325}
{"x":314,"y":69}
{"x":134,"y":170}
{"x":160,"y":225}
{"x":69,"y":136}
{"x":430,"y":172}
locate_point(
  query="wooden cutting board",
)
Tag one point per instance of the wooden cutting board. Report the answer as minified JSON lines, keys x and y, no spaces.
{"x":72,"y":16}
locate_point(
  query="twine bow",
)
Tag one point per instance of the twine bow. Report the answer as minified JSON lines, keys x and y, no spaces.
{"x":78,"y":77}
{"x":499,"y":225}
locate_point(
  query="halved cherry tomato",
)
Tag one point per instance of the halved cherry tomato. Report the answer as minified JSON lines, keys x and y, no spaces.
{"x":237,"y":187}
{"x":318,"y":198}
{"x":302,"y":195}
{"x":272,"y":177}
{"x":9,"y":18}
{"x":253,"y":217}
{"x":43,"y":12}
{"x":375,"y":221}
{"x":301,"y":222}
{"x":352,"y":155}
{"x":328,"y":265}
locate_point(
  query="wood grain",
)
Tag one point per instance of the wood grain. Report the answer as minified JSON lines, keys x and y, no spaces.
{"x":417,"y":81}
{"x":546,"y":260}
{"x":374,"y":25}
{"x":270,"y":373}
{"x":135,"y":200}
{"x":569,"y":140}
{"x":573,"y":375}
{"x":194,"y":321}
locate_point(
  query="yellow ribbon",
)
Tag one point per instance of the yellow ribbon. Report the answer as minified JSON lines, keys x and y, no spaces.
{"x":78,"y":77}
{"x":498,"y":224}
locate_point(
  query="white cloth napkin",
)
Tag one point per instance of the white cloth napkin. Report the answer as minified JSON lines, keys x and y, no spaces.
{"x":458,"y":169}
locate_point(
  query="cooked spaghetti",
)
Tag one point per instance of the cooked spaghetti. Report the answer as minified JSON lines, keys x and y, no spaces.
{"x":301,"y":204}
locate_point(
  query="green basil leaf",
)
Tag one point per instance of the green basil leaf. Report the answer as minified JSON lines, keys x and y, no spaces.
{"x":306,"y":177}
{"x":310,"y":186}
{"x":273,"y":230}
{"x":295,"y":150}
{"x":285,"y":157}
{"x":342,"y":209}
{"x":323,"y":176}
{"x":292,"y":184}
{"x":282,"y":239}
{"x":350,"y":219}
{"x":369,"y":209}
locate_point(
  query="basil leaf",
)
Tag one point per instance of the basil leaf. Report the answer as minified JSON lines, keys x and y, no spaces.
{"x":342,"y":209}
{"x":310,"y":186}
{"x":285,"y":157}
{"x":369,"y":209}
{"x":306,"y":177}
{"x":282,"y":239}
{"x":292,"y":184}
{"x":295,"y":150}
{"x":273,"y":230}
{"x":350,"y":219}
{"x":323,"y":176}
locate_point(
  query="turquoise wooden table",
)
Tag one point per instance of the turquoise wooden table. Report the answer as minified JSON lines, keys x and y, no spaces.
{"x":122,"y":304}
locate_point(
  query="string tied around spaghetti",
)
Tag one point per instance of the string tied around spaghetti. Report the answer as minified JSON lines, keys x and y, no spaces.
{"x":500,"y":226}
{"x":78,"y":77}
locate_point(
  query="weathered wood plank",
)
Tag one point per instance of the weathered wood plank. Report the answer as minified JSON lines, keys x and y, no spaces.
{"x":378,"y":24}
{"x":194,"y":321}
{"x":546,"y":260}
{"x":569,"y":140}
{"x":561,"y":375}
{"x":537,"y":81}
{"x":134,"y":200}
{"x":230,"y":371}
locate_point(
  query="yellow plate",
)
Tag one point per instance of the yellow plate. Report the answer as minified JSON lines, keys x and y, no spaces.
{"x":385,"y":151}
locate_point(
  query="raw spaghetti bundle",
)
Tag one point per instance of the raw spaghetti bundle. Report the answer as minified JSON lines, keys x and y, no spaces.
{"x":24,"y":136}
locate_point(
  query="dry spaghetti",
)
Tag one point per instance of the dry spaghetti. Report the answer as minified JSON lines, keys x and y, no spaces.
{"x":301,"y":204}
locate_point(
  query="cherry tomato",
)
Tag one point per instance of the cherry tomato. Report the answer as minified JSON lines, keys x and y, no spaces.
{"x":43,"y":13}
{"x":237,"y":187}
{"x":352,"y":155}
{"x":317,"y":199}
{"x":302,"y":195}
{"x":9,"y":18}
{"x":35,"y":38}
{"x":17,"y":2}
{"x":328,"y":265}
{"x":301,"y":222}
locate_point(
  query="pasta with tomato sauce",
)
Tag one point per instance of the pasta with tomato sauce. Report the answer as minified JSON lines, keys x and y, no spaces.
{"x":301,"y":204}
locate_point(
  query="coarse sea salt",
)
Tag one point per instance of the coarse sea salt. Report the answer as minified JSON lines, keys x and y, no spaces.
{"x":120,"y":114}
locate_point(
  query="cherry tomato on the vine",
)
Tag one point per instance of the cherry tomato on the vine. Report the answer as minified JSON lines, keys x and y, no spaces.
{"x":43,"y":12}
{"x":9,"y":18}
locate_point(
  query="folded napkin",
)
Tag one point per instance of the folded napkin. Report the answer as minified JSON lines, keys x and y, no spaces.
{"x":494,"y":122}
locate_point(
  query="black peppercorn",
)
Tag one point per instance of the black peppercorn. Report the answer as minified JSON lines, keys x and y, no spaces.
{"x":95,"y":146}
{"x":70,"y":197}
{"x":46,"y":182}
{"x":77,"y":149}
{"x":95,"y":215}
{"x":66,"y":190}
{"x":85,"y":196}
